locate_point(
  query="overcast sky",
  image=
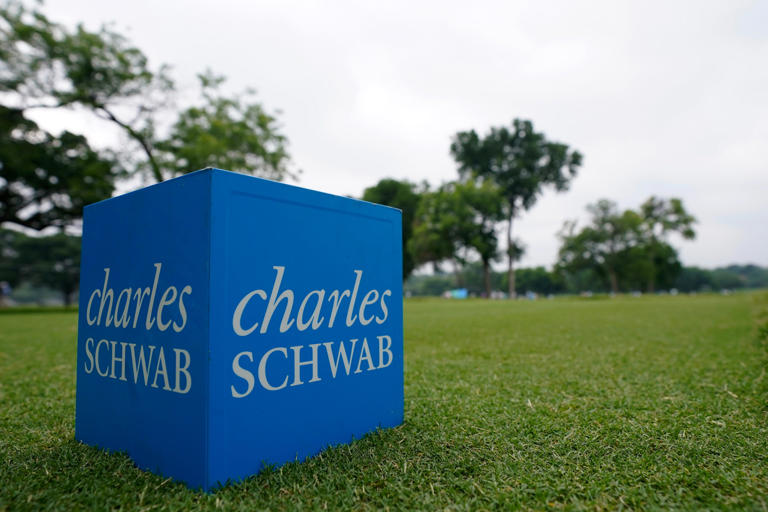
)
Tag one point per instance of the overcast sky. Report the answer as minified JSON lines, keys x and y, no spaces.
{"x":664,"y":98}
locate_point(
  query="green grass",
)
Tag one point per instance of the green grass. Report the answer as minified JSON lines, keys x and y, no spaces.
{"x":649,"y":403}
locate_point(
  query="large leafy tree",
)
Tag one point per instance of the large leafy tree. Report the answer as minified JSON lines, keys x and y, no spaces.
{"x":50,"y":66}
{"x":603,"y":245}
{"x":629,"y":249}
{"x":405,"y":196}
{"x":47,"y":65}
{"x":46,"y":180}
{"x":522,"y":162}
{"x":456,"y":220}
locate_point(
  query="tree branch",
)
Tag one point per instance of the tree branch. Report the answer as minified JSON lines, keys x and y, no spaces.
{"x":156,"y":171}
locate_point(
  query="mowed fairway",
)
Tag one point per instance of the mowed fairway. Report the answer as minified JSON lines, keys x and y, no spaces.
{"x":633,"y":403}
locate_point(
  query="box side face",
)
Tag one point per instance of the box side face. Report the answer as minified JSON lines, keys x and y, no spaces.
{"x":306,"y":323}
{"x":143,"y":327}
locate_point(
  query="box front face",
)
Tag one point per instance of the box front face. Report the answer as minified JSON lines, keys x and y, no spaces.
{"x":306,"y":325}
{"x":143,"y":325}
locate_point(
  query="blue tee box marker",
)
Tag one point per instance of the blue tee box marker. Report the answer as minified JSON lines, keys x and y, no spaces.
{"x":229,"y":322}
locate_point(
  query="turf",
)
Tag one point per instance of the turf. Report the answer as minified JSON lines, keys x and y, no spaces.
{"x":631,"y":403}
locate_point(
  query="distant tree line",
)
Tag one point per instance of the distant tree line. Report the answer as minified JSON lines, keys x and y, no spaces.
{"x":51,"y":261}
{"x":544,"y":282}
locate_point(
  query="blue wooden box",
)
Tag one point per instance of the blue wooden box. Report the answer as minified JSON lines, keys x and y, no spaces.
{"x":229,"y":322}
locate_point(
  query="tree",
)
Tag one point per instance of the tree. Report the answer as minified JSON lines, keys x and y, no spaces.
{"x":47,"y":65}
{"x":228,"y":133}
{"x":603,"y":245}
{"x":455,"y":220}
{"x":404,"y":196}
{"x":522,"y":162}
{"x":628,"y":248}
{"x":694,"y":279}
{"x":50,"y":66}
{"x":662,"y":217}
{"x":482,"y":207}
{"x":434,"y":285}
{"x":538,"y":280}
{"x":434,"y":237}
{"x":52,"y":261}
{"x":46,"y":180}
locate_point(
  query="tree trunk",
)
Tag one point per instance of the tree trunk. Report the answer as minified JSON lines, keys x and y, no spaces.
{"x":487,"y":278}
{"x":652,"y":285}
{"x":459,"y":274}
{"x":652,"y":275}
{"x":511,"y":268}
{"x":614,"y":280}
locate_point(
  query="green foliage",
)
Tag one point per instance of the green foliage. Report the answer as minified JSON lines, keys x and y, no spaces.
{"x":629,"y":248}
{"x":472,"y":277}
{"x":47,"y":65}
{"x":46,"y":180}
{"x":732,"y":277}
{"x":481,"y":207}
{"x":46,"y":61}
{"x":664,"y":216}
{"x":456,"y":219}
{"x":604,"y":245}
{"x":538,"y":280}
{"x":51,"y":261}
{"x":51,"y":66}
{"x":435,"y":227}
{"x":630,"y":404}
{"x":404,"y":196}
{"x":521,"y":162}
{"x":694,"y":279}
{"x":226,"y":132}
{"x":430,"y":285}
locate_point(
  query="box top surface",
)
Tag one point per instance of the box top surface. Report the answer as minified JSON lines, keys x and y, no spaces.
{"x":246,"y":180}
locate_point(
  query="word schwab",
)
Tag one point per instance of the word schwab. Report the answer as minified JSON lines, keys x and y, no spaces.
{"x":228,"y":323}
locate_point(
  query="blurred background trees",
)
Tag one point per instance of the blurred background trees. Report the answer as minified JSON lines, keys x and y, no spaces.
{"x":47,"y":178}
{"x":459,"y":229}
{"x":404,"y":196}
{"x":453,"y":231}
{"x":628,"y":249}
{"x":521,"y":162}
{"x":49,"y":66}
